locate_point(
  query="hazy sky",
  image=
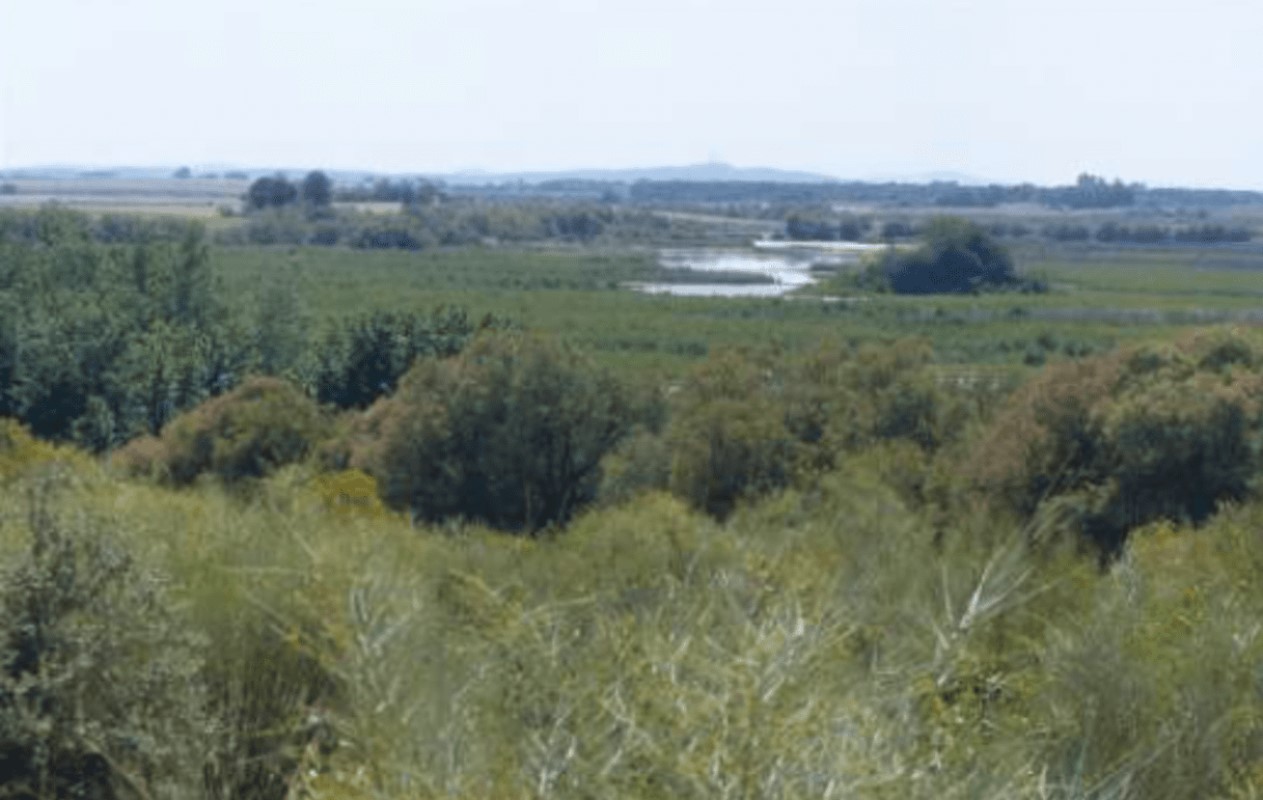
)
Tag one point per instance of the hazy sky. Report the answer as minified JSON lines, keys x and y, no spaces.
{"x":1161,"y":91}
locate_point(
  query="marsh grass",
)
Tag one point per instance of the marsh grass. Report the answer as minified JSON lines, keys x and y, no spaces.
{"x":1100,"y":298}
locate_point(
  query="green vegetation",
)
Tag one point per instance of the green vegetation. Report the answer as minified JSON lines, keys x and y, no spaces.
{"x":100,"y":342}
{"x":249,"y":432}
{"x":957,"y":256}
{"x":510,"y":433}
{"x":879,"y":546}
{"x":746,"y":424}
{"x":1155,"y":432}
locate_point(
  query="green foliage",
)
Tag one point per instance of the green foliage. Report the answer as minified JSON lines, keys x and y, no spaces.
{"x":99,"y":343}
{"x":745,"y":424}
{"x":831,"y":636}
{"x":250,"y":432}
{"x":362,"y":358}
{"x":424,"y":224}
{"x":98,"y":677}
{"x":857,"y":625}
{"x":510,"y":432}
{"x":316,"y":190}
{"x":1147,"y":433}
{"x":728,"y":437}
{"x":281,"y":325}
{"x":271,"y":192}
{"x":957,"y":256}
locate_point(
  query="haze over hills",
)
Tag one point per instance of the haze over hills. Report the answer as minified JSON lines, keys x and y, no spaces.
{"x":726,"y":182}
{"x":713,"y":171}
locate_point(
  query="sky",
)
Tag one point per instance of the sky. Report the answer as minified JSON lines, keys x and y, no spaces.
{"x":1165,"y":92}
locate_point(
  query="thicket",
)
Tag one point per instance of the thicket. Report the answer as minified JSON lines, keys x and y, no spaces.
{"x":362,"y":358}
{"x":1110,"y":443}
{"x":821,"y":642}
{"x":251,"y":431}
{"x":1156,"y":234}
{"x":744,"y":424}
{"x":510,"y":433}
{"x":109,"y":328}
{"x":956,"y":256}
{"x":100,"y":342}
{"x":99,"y":695}
{"x":446,"y":224}
{"x":863,"y":586}
{"x":808,"y":226}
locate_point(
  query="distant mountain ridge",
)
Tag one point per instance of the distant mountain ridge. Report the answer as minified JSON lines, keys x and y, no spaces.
{"x":708,"y":172}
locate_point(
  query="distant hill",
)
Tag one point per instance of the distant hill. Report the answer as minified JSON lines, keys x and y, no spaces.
{"x":711,"y":172}
{"x":962,"y":178}
{"x":708,"y":183}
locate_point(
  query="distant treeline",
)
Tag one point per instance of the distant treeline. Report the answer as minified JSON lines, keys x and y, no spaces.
{"x":464,"y":222}
{"x":814,"y":225}
{"x":1088,"y":192}
{"x":1112,"y":232}
{"x":109,"y":331}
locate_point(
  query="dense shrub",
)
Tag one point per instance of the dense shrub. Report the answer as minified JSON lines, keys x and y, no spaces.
{"x":728,"y":438}
{"x":651,"y":652}
{"x":744,"y":424}
{"x":249,"y":432}
{"x":99,"y":689}
{"x":825,"y":227}
{"x":99,"y":343}
{"x":957,"y":256}
{"x":511,"y":432}
{"x":362,"y":358}
{"x":1146,"y":433}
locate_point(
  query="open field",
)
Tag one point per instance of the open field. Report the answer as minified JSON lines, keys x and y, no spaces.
{"x":151,"y":195}
{"x":1098,"y":299}
{"x":204,"y":200}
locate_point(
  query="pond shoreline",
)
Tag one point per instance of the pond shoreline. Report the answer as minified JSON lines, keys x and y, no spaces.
{"x":758,"y":271}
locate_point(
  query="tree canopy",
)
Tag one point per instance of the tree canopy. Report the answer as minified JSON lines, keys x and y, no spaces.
{"x":317,"y":189}
{"x":271,"y":192}
{"x":956,"y":256}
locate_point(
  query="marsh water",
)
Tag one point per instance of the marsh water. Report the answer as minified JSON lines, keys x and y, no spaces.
{"x":746,"y":273}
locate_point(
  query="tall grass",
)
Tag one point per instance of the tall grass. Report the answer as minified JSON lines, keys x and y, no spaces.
{"x":833,"y":642}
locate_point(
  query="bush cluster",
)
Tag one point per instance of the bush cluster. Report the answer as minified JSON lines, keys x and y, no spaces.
{"x":416,"y":227}
{"x":99,"y":680}
{"x":101,"y":342}
{"x":957,"y":256}
{"x":511,"y":433}
{"x":745,"y":424}
{"x":1141,"y":434}
{"x":249,"y":432}
{"x":362,"y":358}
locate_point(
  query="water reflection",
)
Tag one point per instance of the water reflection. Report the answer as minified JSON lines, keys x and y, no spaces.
{"x":743,"y":273}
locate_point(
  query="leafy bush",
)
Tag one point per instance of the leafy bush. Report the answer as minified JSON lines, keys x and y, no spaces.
{"x":1120,"y":440}
{"x":511,"y":432}
{"x":99,"y":689}
{"x":745,"y":424}
{"x":728,"y":437}
{"x":362,"y":358}
{"x":99,"y":343}
{"x":957,"y":256}
{"x":249,"y":432}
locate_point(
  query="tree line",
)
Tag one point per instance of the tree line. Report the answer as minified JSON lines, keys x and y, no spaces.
{"x":109,"y":330}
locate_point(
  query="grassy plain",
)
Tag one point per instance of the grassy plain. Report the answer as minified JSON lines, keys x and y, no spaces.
{"x":1099,"y":298}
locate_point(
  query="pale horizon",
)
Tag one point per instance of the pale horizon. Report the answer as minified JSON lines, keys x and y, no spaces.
{"x":1000,"y":91}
